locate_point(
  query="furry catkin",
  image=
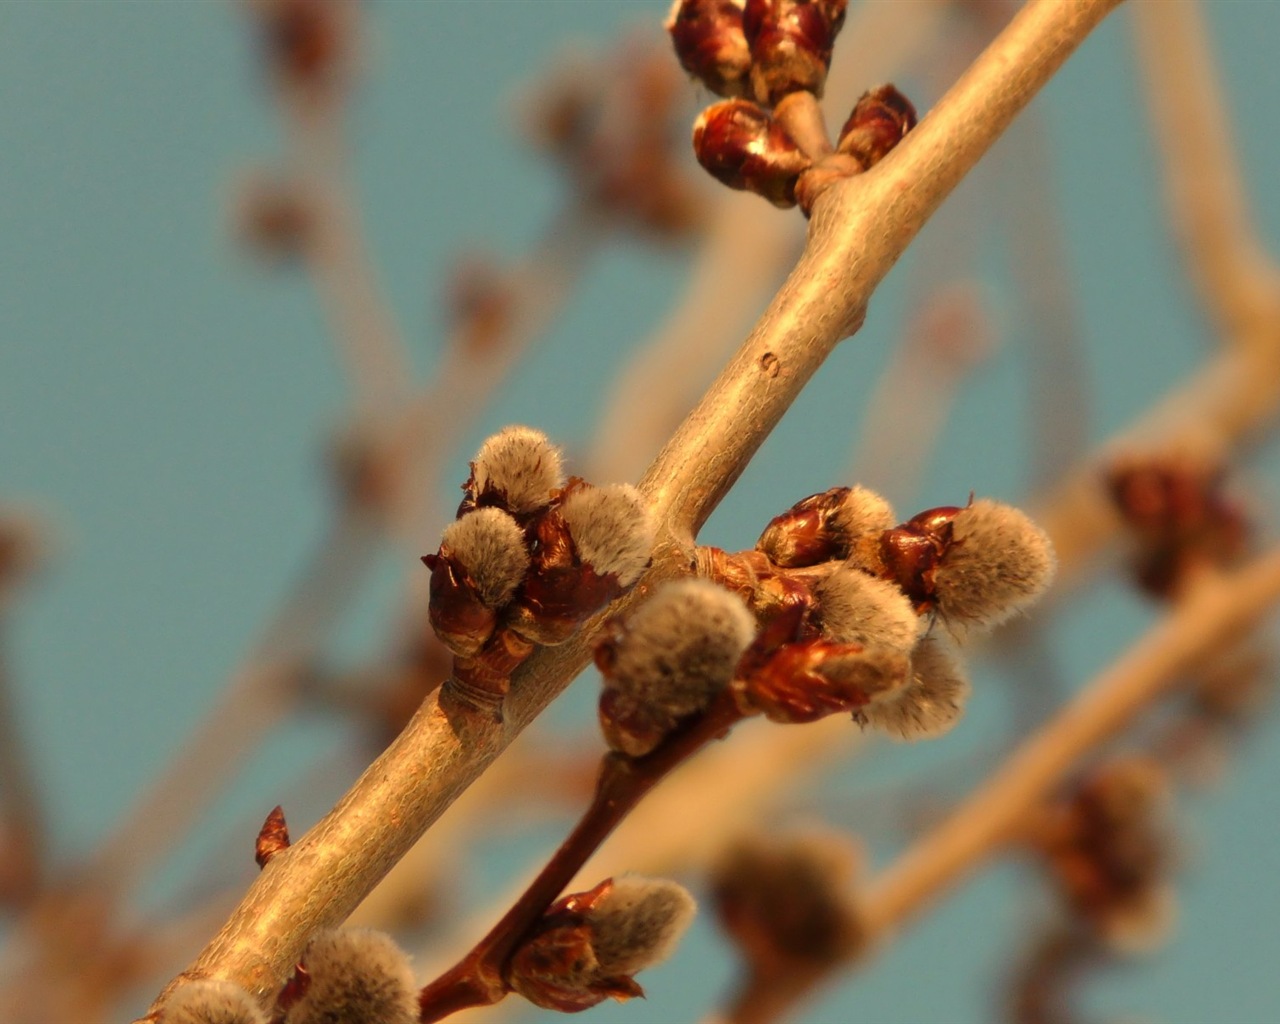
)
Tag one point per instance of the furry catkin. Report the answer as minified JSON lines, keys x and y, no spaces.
{"x":520,"y":466}
{"x":612,"y":529}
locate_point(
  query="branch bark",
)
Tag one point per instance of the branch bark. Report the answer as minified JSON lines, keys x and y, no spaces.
{"x":860,"y":228}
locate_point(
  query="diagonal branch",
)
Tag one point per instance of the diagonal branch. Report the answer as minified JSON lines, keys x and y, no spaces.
{"x":859,"y":230}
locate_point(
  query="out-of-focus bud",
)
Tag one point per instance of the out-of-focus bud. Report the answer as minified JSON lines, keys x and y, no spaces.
{"x":667,"y":661}
{"x":589,"y":945}
{"x":481,"y":561}
{"x":590,"y":548}
{"x":790,"y":903}
{"x":356,"y":974}
{"x":855,"y":608}
{"x":931,"y":702}
{"x":708,"y":40}
{"x":557,"y":113}
{"x":274,"y":215}
{"x":879,"y":121}
{"x":825,"y":526}
{"x":211,"y":1002}
{"x":480,"y":300}
{"x":791,"y":43}
{"x":791,"y":677}
{"x":516,"y":469}
{"x":1183,"y":518}
{"x":1108,"y":846}
{"x":25,"y":543}
{"x":975,"y":565}
{"x":744,"y":148}
{"x":309,"y":44}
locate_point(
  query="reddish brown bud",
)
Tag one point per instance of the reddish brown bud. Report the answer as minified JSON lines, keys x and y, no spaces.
{"x":743,"y":147}
{"x":308,"y":43}
{"x":825,"y":526}
{"x":976,"y":565}
{"x":802,"y":680}
{"x":588,"y":945}
{"x":879,"y":121}
{"x":481,"y":561}
{"x":560,"y":591}
{"x":1182,"y":517}
{"x":588,"y":549}
{"x":480,"y":300}
{"x":274,"y":215}
{"x":25,"y":543}
{"x":791,"y":43}
{"x":461,"y":620}
{"x":272,"y":837}
{"x":790,"y":903}
{"x":708,"y":40}
{"x":911,"y":553}
{"x":1108,"y":846}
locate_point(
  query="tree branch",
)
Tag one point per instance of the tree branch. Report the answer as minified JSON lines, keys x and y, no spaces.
{"x":860,"y":228}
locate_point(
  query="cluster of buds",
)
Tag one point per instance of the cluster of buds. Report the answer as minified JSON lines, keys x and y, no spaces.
{"x":529,"y":557}
{"x":770,"y":59}
{"x":1181,"y":517}
{"x":588,"y":946}
{"x":611,"y":124}
{"x":790,"y":903}
{"x":765,"y":49}
{"x":1107,"y":846}
{"x":848,"y":599}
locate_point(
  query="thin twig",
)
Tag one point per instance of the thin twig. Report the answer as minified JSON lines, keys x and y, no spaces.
{"x":1215,"y":611}
{"x":1205,"y":192}
{"x":261,"y":692}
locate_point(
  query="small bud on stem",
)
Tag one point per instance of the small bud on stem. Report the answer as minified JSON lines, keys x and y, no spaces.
{"x":880,"y":120}
{"x":825,"y":526}
{"x":744,"y":148}
{"x":272,"y":837}
{"x":588,"y":945}
{"x":668,"y":660}
{"x":791,"y":42}
{"x":709,"y":42}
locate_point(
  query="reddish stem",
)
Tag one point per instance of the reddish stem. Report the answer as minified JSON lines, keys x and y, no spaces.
{"x":478,"y":979}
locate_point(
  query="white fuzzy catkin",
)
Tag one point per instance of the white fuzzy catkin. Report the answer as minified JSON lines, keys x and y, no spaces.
{"x":358,"y":976}
{"x":211,"y":1002}
{"x":861,"y":513}
{"x":521,"y":464}
{"x":490,"y":545}
{"x":999,"y":562}
{"x":932,"y":701}
{"x":861,"y":609}
{"x":638,"y":924}
{"x":680,"y":647}
{"x":612,"y":529}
